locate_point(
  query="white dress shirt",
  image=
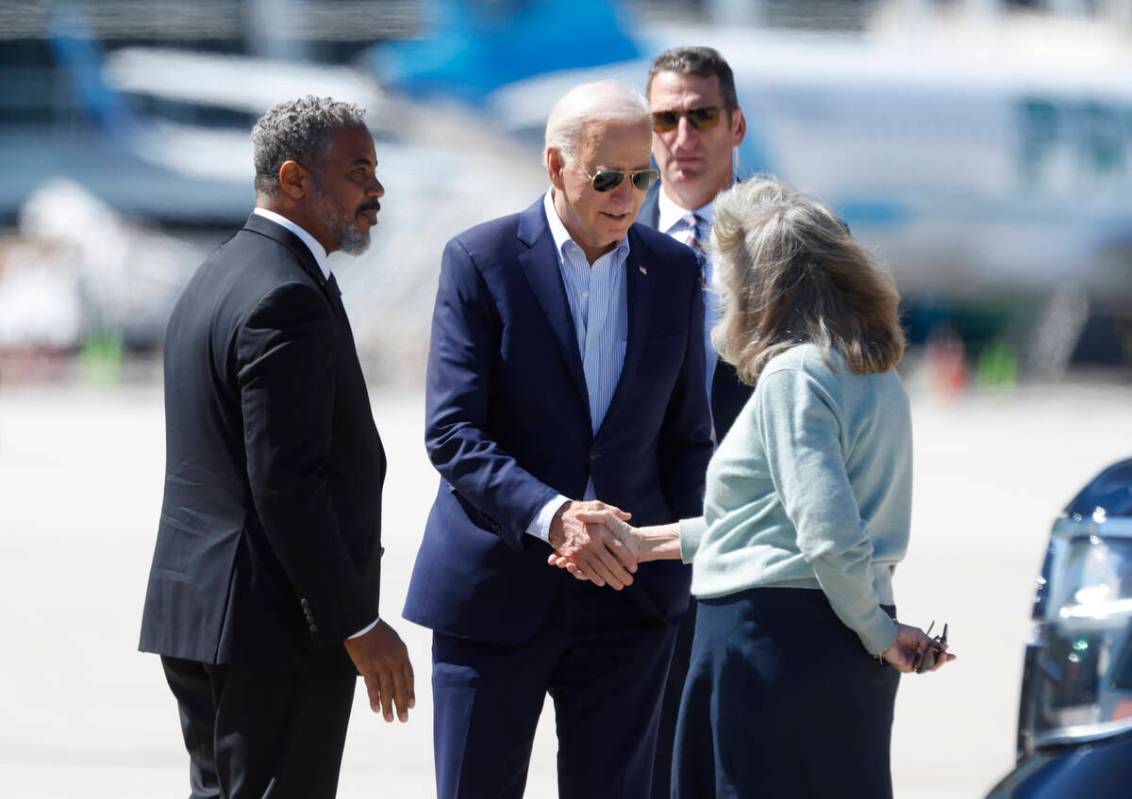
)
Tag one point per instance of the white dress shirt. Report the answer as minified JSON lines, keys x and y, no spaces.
{"x":320,"y":256}
{"x":317,"y":250}
{"x":675,"y":221}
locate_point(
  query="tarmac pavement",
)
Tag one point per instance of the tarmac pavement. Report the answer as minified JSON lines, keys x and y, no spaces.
{"x":80,"y":489}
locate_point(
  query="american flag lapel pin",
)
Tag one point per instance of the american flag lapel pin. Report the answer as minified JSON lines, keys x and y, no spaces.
{"x":643,"y":270}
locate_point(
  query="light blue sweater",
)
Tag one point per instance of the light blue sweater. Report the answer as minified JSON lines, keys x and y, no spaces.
{"x":811,"y":488}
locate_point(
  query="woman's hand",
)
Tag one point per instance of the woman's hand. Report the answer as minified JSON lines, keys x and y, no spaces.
{"x":660,"y":542}
{"x":907,"y":651}
{"x":627,"y":535}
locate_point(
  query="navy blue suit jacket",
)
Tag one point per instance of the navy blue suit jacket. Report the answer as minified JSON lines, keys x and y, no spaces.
{"x":508,"y":424}
{"x":728,"y":393}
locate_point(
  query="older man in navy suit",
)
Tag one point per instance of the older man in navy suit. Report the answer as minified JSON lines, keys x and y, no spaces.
{"x":566,"y":371}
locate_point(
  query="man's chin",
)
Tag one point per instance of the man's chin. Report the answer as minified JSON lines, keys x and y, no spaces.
{"x":617,"y":226}
{"x":686,"y":178}
{"x":621,"y":229}
{"x":353,"y":241}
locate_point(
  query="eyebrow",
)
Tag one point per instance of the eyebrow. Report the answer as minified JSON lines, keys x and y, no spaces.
{"x":642,"y":168}
{"x":362,"y":161}
{"x":685,"y":108}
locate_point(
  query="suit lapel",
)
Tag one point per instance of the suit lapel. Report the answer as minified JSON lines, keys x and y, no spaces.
{"x":638,"y":292}
{"x":540,"y":265}
{"x":302,"y":253}
{"x":650,"y":208}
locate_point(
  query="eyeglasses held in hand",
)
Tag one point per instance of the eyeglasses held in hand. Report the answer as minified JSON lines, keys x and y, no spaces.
{"x":699,"y":118}
{"x":609,"y":179}
{"x":934,"y":651}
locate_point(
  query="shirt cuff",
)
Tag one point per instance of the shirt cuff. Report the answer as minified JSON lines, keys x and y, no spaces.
{"x":691,"y":534}
{"x":366,"y":629}
{"x":540,"y":527}
{"x":878,"y":633}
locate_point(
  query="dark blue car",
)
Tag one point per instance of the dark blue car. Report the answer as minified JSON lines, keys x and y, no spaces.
{"x":1075,"y":712}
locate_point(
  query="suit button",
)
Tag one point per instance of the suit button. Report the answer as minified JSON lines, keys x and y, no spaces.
{"x":304,"y":603}
{"x":314,"y":628}
{"x":594,"y":455}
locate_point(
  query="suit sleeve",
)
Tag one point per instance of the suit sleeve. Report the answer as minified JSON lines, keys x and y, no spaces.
{"x":685,"y":439}
{"x":286,"y":359}
{"x":466,"y":333}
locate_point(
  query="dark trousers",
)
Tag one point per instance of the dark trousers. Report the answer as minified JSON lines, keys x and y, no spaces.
{"x":261,"y":732}
{"x":602,"y":659}
{"x":670,"y":705}
{"x":782,"y":700}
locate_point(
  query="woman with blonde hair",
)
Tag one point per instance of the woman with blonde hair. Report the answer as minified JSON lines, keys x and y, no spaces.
{"x":797,"y":653}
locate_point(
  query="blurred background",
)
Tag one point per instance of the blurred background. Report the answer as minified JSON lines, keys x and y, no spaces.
{"x":981,"y":148}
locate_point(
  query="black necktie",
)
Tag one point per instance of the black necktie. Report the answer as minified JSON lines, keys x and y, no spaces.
{"x":335,"y":295}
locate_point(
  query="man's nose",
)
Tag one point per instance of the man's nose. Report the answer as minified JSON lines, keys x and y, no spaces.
{"x":375,"y":187}
{"x":624,"y":190}
{"x":685,"y":132}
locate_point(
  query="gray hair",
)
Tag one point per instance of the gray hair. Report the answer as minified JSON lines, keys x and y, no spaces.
{"x":602,"y":101}
{"x":299,"y":130}
{"x":791,"y":272}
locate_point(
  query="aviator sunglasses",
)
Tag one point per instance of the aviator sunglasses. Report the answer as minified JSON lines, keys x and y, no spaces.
{"x":934,"y":651}
{"x":699,"y":118}
{"x":609,"y":179}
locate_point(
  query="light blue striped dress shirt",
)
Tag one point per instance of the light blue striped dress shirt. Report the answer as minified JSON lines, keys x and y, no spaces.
{"x":600,"y":311}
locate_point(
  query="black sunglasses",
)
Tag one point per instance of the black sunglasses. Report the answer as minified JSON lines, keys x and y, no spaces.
{"x":699,"y":118}
{"x":609,"y":179}
{"x":932,"y":654}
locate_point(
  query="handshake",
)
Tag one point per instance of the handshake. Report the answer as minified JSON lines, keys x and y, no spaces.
{"x":594,"y":541}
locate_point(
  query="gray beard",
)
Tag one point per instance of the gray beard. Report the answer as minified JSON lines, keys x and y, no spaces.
{"x":351,"y":240}
{"x":344,"y":225}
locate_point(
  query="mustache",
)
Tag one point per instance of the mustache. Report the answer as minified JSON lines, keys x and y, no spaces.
{"x":372,"y":206}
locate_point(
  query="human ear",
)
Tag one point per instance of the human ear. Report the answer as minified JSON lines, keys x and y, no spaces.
{"x":738,"y":127}
{"x":293,"y":179}
{"x":555,"y":166}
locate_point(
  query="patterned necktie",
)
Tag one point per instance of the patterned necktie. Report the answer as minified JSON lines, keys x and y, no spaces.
{"x":695,"y":241}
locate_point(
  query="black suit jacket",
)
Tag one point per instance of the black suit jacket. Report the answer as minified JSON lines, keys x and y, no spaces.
{"x":728,"y":393}
{"x":269,"y":541}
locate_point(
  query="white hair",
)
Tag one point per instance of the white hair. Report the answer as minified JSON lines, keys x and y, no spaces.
{"x":601,"y":101}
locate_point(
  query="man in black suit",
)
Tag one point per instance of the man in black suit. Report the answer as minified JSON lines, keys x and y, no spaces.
{"x":263,"y":594}
{"x":697,"y":124}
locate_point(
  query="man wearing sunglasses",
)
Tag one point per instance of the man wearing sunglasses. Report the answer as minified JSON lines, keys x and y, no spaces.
{"x":566,"y":371}
{"x":697,"y":124}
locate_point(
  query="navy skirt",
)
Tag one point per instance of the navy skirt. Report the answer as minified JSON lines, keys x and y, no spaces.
{"x":782,"y":700}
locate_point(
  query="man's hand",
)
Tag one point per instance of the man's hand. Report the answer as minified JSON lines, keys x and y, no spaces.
{"x":658,"y":542}
{"x":599,"y":555}
{"x":383,"y":661}
{"x":909,"y":647}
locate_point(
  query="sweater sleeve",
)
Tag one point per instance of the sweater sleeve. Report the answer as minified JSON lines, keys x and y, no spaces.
{"x":691,"y":534}
{"x":800,"y":430}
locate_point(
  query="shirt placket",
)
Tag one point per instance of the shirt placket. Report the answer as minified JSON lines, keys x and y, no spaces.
{"x":598,"y":312}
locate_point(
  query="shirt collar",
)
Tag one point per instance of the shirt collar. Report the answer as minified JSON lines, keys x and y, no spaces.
{"x":672,"y":214}
{"x":317,"y":250}
{"x":562,"y":236}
